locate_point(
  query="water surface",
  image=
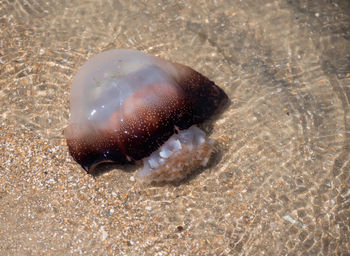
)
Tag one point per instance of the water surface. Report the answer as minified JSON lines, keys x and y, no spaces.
{"x":279,"y":184}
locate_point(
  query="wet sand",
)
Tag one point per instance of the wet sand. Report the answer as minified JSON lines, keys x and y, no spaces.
{"x":279,"y":182}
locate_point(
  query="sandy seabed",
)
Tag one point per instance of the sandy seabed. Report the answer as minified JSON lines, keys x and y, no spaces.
{"x":279,"y":182}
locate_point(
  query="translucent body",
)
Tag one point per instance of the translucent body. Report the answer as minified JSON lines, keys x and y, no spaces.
{"x":101,"y":86}
{"x":181,"y":154}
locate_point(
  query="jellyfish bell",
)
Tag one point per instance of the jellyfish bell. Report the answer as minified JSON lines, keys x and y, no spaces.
{"x":127,"y":105}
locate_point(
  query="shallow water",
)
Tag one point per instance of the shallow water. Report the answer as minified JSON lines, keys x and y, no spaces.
{"x":279,"y":184}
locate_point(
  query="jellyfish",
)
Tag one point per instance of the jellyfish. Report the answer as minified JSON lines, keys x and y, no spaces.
{"x":128,"y":106}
